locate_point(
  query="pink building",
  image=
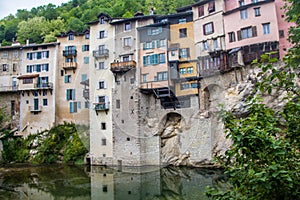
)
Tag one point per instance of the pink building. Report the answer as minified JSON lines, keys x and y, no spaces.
{"x":283,"y":27}
{"x":252,"y":27}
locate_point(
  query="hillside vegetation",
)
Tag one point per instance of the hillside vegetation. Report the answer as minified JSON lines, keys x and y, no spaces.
{"x":41,"y":24}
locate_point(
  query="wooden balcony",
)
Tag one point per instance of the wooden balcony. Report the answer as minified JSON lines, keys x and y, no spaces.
{"x":70,"y":53}
{"x":102,"y":53}
{"x":70,"y":65}
{"x":101,"y":106}
{"x":122,"y":67}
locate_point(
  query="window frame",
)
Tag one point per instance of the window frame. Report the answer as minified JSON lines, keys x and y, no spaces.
{"x":208,"y":28}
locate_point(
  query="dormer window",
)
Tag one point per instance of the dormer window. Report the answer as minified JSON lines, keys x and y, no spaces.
{"x":102,"y":21}
{"x":127,"y":26}
{"x":211,"y":6}
{"x":71,"y":37}
{"x":87,"y":36}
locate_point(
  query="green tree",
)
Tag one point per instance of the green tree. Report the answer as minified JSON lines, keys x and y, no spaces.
{"x":264,"y":161}
{"x":34,"y":29}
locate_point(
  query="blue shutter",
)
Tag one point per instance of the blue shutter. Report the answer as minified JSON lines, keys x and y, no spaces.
{"x":145,"y":60}
{"x":144,"y":46}
{"x":73,"y":94}
{"x":67,"y":95}
{"x":82,"y":48}
{"x":153,"y":45}
{"x":66,"y":79}
{"x":79,"y":104}
{"x":71,"y":107}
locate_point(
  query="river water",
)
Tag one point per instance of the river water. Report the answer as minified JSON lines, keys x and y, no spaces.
{"x":101,"y":183}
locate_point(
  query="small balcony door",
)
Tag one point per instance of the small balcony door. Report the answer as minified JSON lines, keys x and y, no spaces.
{"x":36,"y":104}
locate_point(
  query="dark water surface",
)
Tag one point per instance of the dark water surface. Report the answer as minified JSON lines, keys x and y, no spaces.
{"x":85,"y":182}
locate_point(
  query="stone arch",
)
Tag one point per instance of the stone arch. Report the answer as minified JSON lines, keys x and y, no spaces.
{"x":212,"y":95}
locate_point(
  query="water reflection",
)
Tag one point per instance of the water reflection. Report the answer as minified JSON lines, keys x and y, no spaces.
{"x":82,"y":182}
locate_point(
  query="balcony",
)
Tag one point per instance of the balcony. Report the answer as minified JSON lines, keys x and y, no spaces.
{"x":70,"y":53}
{"x":102,"y":53}
{"x":35,"y":108}
{"x":70,"y":65}
{"x":122,"y":67}
{"x":44,"y":86}
{"x":101,"y":106}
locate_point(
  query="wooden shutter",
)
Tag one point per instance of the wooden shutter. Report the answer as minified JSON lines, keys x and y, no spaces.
{"x":239,"y":35}
{"x":200,"y":11}
{"x":254,"y":31}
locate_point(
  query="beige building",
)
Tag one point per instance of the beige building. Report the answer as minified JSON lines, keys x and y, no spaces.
{"x":36,"y":85}
{"x":72,"y":92}
{"x":10,"y":66}
{"x":101,"y":86}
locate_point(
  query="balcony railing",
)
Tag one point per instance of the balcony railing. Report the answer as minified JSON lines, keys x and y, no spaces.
{"x":35,"y":108}
{"x":101,"y":53}
{"x":70,"y":65}
{"x":71,"y":52}
{"x":44,"y":85}
{"x":8,"y":88}
{"x":122,"y":67}
{"x":101,"y":106}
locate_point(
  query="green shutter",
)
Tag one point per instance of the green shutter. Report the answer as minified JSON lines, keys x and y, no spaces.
{"x":68,"y":95}
{"x":73,"y":94}
{"x":144,"y":60}
{"x":71,"y":107}
{"x":144,"y":46}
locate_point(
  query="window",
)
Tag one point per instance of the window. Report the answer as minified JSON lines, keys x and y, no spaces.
{"x":87,"y":104}
{"x":182,"y":21}
{"x":244,"y":14}
{"x":5,"y":67}
{"x":87,"y":36}
{"x":15,"y":67}
{"x":101,"y":65}
{"x":44,"y":67}
{"x":127,"y":26}
{"x":70,"y":94}
{"x":204,"y":46}
{"x":148,"y":45}
{"x":74,"y":106}
{"x":173,"y":53}
{"x":150,"y":60}
{"x":242,"y":2}
{"x":160,"y":43}
{"x":71,"y":37}
{"x":190,"y":70}
{"x":162,"y":76}
{"x":118,"y":103}
{"x":144,"y":78}
{"x":281,"y":33}
{"x":184,"y":53}
{"x":67,"y":78}
{"x":231,"y":36}
{"x":15,"y":53}
{"x":45,"y":102}
{"x":182,"y":33}
{"x":162,"y":58}
{"x":85,"y":47}
{"x":102,"y":85}
{"x":255,"y":1}
{"x":201,"y":11}
{"x":44,"y":92}
{"x":103,"y":126}
{"x":182,"y":70}
{"x":247,"y":33}
{"x":208,"y":28}
{"x":85,"y":60}
{"x":155,"y":31}
{"x":125,"y":58}
{"x":127,"y":42}
{"x":103,"y":142}
{"x":83,"y":77}
{"x":101,"y":20}
{"x":211,"y":6}
{"x":27,"y":80}
{"x":257,"y":12}
{"x":4,"y":54}
{"x":102,"y":34}
{"x":216,"y":44}
{"x":62,"y":72}
{"x":266,"y":28}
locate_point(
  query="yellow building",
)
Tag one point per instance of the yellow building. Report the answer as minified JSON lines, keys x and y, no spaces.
{"x":72,"y":95}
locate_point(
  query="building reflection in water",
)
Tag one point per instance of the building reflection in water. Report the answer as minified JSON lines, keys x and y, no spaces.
{"x":151,"y":183}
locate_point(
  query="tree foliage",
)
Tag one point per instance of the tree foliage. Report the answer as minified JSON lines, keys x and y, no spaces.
{"x":74,"y":15}
{"x":264,"y":160}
